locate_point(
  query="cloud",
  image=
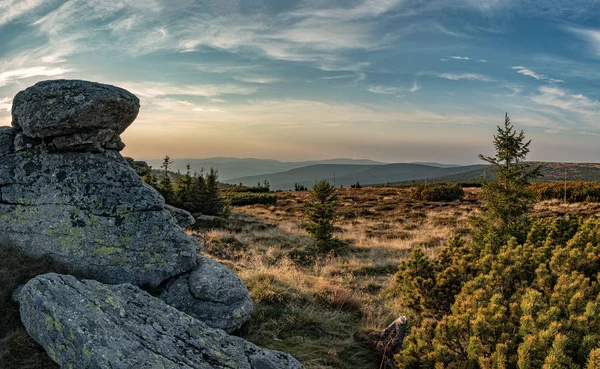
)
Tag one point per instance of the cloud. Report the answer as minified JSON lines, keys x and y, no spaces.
{"x":592,"y":36}
{"x":573,"y":103}
{"x":460,"y":58}
{"x":482,"y":61}
{"x":340,"y":76}
{"x":314,"y":32}
{"x":11,"y":10}
{"x":540,"y":77}
{"x":460,"y":76}
{"x":157,"y":89}
{"x":384,"y":90}
{"x":415,"y":87}
{"x":10,"y":76}
{"x":5,"y":104}
{"x":256,"y":79}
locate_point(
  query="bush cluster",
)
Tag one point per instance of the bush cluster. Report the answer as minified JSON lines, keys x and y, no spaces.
{"x":245,"y":189}
{"x":576,"y":191}
{"x":249,"y":198}
{"x":530,"y":305}
{"x":437,"y":192}
{"x":196,"y":193}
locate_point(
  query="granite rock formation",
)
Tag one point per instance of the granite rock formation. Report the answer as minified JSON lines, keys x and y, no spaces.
{"x":86,"y":324}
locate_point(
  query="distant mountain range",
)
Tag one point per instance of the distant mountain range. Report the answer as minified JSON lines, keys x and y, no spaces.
{"x":242,"y":167}
{"x":551,"y":172}
{"x":346,"y":175}
{"x":345,"y":172}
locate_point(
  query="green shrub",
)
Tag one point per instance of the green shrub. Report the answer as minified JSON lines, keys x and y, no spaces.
{"x":246,"y":189}
{"x":528,"y":305}
{"x":249,"y":198}
{"x":576,"y":191}
{"x":321,"y":213}
{"x":437,"y":192}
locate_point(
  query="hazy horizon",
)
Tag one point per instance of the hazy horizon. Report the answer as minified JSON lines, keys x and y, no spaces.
{"x":386,"y":80}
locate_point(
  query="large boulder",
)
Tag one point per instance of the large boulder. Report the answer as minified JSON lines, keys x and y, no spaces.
{"x":65,"y":191}
{"x":90,"y":325}
{"x":66,"y":107}
{"x":211,"y":293}
{"x":93,"y":214}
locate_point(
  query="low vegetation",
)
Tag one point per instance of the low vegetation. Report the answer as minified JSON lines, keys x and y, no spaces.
{"x":534,"y":304}
{"x":572,"y":192}
{"x":437,"y":192}
{"x":198,"y":193}
{"x":245,"y":195}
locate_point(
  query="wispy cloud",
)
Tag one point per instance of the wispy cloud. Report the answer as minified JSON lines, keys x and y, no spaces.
{"x":460,"y":76}
{"x":5,"y":103}
{"x":460,"y":58}
{"x":384,"y":90}
{"x":592,"y":36}
{"x":11,"y":76}
{"x":540,"y":77}
{"x":11,"y":10}
{"x":573,"y":103}
{"x":256,"y":79}
{"x":341,"y":76}
{"x":415,"y":87}
{"x":157,"y":89}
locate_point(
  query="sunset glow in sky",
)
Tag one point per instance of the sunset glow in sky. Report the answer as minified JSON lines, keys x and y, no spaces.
{"x":390,"y":80}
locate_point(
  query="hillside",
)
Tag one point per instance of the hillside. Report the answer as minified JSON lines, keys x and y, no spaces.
{"x":230,"y":168}
{"x":551,"y":171}
{"x":346,"y":175}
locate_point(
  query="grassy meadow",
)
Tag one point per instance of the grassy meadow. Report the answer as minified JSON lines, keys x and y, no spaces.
{"x":326,"y":311}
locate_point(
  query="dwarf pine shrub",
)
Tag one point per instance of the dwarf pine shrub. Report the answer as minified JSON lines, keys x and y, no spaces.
{"x":437,"y":192}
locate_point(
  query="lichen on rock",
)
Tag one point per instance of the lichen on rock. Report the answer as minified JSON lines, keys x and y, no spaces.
{"x":91,"y":325}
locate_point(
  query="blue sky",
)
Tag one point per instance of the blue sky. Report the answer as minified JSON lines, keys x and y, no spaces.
{"x":391,"y":80}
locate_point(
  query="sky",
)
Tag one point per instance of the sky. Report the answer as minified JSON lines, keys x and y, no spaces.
{"x":389,"y":80}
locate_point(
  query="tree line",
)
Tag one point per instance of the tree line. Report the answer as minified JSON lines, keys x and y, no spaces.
{"x":196,"y":192}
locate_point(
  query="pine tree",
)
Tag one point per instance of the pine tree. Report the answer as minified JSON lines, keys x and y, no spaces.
{"x":183,"y":190}
{"x":213,"y":203}
{"x":321,"y":212}
{"x":507,"y":198}
{"x":197,"y":193}
{"x":165,"y":187}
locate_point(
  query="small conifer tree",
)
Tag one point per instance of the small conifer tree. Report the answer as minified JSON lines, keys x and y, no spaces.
{"x":213,"y":202}
{"x":165,"y":187}
{"x":321,"y":213}
{"x":508,"y":198}
{"x":183,"y":189}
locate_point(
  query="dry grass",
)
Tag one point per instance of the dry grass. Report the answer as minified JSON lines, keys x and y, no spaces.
{"x":324,"y":312}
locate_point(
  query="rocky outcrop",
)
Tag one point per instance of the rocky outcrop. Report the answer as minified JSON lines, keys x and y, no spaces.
{"x":60,"y":108}
{"x":182,"y":217}
{"x":90,"y":325}
{"x":211,"y":293}
{"x":67,"y":192}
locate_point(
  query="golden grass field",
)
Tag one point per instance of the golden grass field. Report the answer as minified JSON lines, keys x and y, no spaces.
{"x":323,"y":311}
